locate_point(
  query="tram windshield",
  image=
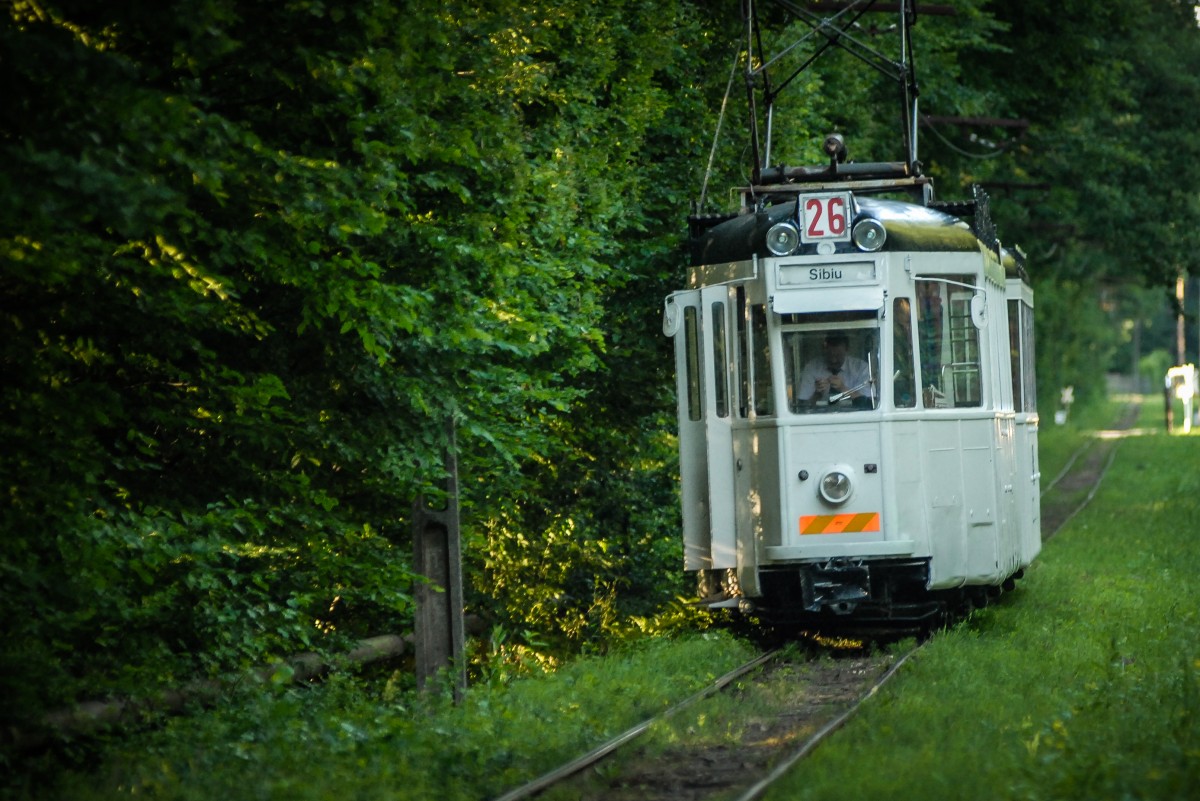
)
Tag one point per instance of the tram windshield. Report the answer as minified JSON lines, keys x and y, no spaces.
{"x":831,"y":362}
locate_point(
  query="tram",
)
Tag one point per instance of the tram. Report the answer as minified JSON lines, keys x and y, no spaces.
{"x":856,"y":399}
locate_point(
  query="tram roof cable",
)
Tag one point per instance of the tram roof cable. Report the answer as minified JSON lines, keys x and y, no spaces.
{"x":712,"y":153}
{"x":836,"y":30}
{"x":837,"y":35}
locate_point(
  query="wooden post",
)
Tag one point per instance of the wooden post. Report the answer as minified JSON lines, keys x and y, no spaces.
{"x":437,"y":544}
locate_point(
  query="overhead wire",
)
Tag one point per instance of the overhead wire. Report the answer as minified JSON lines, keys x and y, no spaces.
{"x":999,"y":151}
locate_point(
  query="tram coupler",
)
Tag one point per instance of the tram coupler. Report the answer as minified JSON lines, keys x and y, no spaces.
{"x":837,"y":586}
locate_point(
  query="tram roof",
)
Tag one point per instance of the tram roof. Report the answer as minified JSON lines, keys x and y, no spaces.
{"x":910,"y":227}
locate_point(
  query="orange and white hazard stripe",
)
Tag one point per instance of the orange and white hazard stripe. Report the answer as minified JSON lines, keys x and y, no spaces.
{"x":851,"y":523}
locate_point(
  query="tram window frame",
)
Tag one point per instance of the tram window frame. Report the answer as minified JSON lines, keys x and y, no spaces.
{"x":951,"y":357}
{"x":720,"y":363}
{"x":904,"y":373}
{"x":1027,"y":358}
{"x":764,"y":385}
{"x":1015,"y":354}
{"x":802,"y":337}
{"x":693,"y":380}
{"x":743,"y":354}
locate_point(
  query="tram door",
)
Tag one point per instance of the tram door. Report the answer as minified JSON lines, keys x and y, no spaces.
{"x":700,"y":322}
{"x":960,"y":443}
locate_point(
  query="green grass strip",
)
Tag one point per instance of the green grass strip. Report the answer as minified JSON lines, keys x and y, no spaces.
{"x":1083,"y":684}
{"x":352,"y":740}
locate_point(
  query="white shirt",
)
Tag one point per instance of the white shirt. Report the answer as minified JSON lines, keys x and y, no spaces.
{"x":854,"y":372}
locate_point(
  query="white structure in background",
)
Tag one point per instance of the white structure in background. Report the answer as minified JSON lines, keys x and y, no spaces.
{"x":1183,"y":380}
{"x":1066,"y":398}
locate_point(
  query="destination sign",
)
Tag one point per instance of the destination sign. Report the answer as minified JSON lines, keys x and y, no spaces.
{"x":846,"y":272}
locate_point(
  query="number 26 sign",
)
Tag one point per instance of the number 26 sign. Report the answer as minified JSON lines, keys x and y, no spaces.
{"x":825,"y":218}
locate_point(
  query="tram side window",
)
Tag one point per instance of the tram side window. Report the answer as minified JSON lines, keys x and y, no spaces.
{"x":1029,"y":389}
{"x":692,"y":360}
{"x":743,"y":354}
{"x":904,"y":385}
{"x":764,"y":396}
{"x":720,"y":365}
{"x":948,"y":344}
{"x":1014,"y":354}
{"x":964,"y":352}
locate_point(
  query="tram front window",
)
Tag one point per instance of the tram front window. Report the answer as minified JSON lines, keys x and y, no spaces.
{"x":832,"y":368}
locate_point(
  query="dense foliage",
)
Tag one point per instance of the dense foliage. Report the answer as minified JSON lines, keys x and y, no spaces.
{"x":250,"y":274}
{"x":254,"y":256}
{"x":1099,"y":189}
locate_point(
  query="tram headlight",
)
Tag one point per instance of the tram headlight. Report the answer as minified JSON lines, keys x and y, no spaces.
{"x":782,"y":238}
{"x":835,"y":487}
{"x":869,"y":235}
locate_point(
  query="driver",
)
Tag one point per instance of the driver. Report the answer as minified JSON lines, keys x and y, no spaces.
{"x":835,"y":376}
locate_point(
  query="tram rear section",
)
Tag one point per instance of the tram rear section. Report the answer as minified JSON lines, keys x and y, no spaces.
{"x":857,"y":420}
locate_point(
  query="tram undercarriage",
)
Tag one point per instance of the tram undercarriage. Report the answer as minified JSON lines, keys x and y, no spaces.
{"x":850,"y":595}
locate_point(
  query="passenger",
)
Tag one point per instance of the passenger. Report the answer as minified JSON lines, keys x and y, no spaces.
{"x":836,"y":376}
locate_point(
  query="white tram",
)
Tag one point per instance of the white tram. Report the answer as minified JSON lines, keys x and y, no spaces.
{"x":857,"y":419}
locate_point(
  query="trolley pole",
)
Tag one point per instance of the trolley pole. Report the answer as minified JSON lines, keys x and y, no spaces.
{"x":437,"y":544}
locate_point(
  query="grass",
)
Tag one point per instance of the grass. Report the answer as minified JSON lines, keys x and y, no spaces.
{"x":350,"y":739}
{"x":1084,"y":684}
{"x":1057,"y":444}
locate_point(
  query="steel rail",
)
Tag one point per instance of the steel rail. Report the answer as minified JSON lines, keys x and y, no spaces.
{"x":1067,"y":468}
{"x":1128,"y":416}
{"x":760,"y":787}
{"x":1112,"y":455}
{"x":596,"y":754}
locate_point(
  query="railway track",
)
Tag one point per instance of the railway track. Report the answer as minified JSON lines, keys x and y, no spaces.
{"x":566,"y":771}
{"x":773,"y":711}
{"x":1069,"y":493}
{"x":796,"y":698}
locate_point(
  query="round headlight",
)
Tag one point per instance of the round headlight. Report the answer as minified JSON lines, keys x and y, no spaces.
{"x":835,"y":486}
{"x":869,"y":235}
{"x":782,"y":238}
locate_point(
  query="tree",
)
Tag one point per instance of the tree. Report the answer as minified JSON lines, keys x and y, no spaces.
{"x":248,"y":275}
{"x":245,"y":281}
{"x":1108,"y":160}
